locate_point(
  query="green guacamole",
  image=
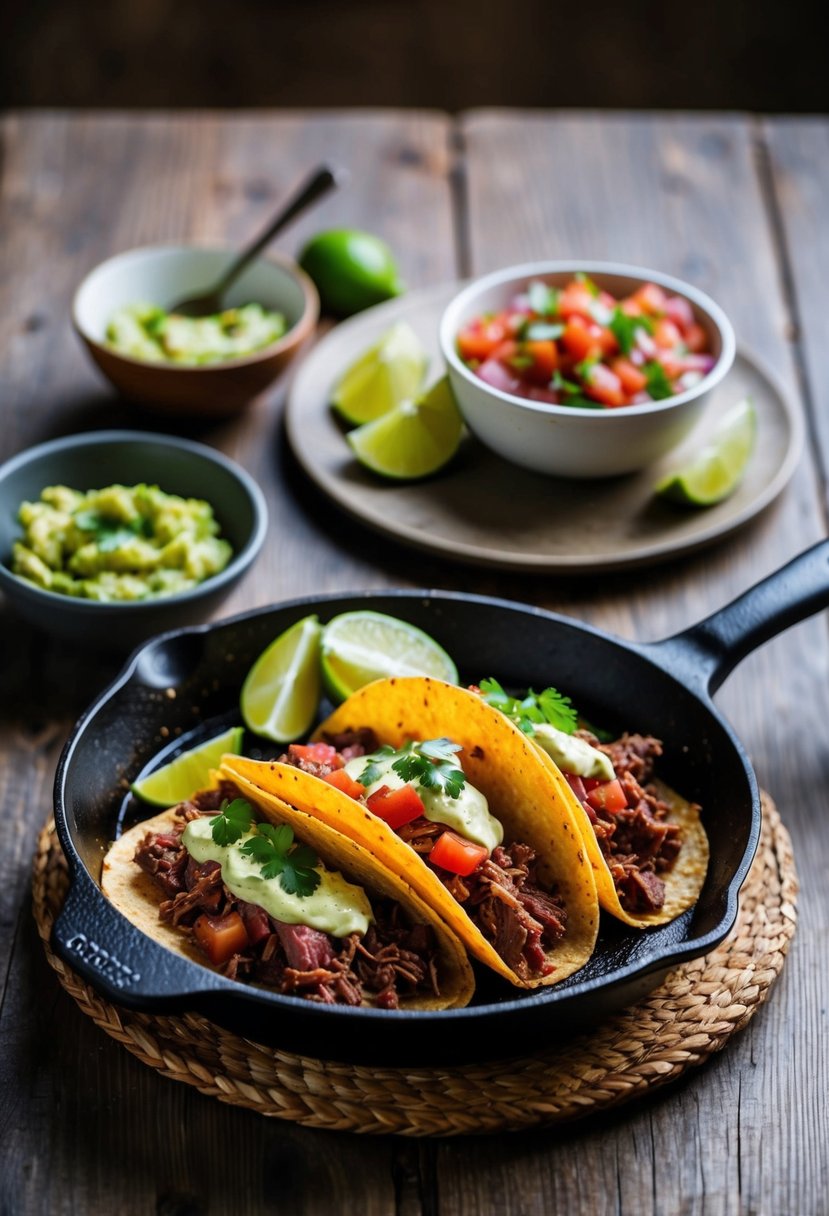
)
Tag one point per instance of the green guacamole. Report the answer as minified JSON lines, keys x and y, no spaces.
{"x":144,"y":331}
{"x":120,"y":543}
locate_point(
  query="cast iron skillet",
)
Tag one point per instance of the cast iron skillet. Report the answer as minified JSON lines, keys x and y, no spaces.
{"x":522,"y":646}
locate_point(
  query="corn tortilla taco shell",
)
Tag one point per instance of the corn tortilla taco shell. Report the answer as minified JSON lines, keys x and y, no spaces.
{"x":496,"y":758}
{"x":683,"y":882}
{"x":136,"y":895}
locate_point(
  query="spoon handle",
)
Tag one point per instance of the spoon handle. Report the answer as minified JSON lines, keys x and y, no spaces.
{"x":318,"y":184}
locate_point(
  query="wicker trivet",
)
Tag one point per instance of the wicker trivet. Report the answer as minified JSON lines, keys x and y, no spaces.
{"x":694,"y":1013}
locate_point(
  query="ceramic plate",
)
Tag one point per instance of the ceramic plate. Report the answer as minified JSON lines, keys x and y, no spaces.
{"x":485,"y":511}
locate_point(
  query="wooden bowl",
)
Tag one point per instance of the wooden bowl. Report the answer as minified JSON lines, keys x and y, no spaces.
{"x":166,"y":273}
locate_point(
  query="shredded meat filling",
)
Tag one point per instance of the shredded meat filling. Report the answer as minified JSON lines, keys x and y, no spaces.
{"x":638,"y":843}
{"x":393,"y":959}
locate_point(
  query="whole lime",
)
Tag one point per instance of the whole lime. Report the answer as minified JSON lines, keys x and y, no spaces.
{"x":352,"y":270}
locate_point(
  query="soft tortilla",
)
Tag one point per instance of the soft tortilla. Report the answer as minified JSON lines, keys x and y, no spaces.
{"x":136,"y":895}
{"x":498,"y":759}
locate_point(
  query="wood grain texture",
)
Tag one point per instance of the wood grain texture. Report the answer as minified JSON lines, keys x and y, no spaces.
{"x":732,"y":206}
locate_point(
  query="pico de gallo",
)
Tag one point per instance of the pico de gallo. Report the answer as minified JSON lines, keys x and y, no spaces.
{"x":580,"y":346}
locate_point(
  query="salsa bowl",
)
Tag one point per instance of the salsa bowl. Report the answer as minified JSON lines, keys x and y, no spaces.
{"x":164,"y":274}
{"x":572,"y":441}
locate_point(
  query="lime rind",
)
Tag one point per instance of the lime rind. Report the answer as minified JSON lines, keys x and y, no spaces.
{"x":281,"y":693}
{"x":361,"y":646}
{"x":389,"y":372}
{"x":717,"y":469}
{"x":189,"y":772}
{"x":414,"y":439}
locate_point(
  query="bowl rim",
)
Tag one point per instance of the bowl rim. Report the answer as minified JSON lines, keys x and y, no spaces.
{"x":292,"y":337}
{"x":238,"y":563}
{"x":447,"y":333}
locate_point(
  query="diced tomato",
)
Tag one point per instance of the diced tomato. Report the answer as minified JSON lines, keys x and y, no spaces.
{"x":633,"y":380}
{"x":316,"y":753}
{"x":340,"y":779}
{"x":451,"y":852}
{"x":696,"y":339}
{"x":396,"y":807}
{"x":220,"y":937}
{"x":579,"y":339}
{"x":479,"y":339}
{"x":576,"y":785}
{"x":652,"y":299}
{"x":545,"y":360}
{"x":505,"y":351}
{"x":608,"y":796}
{"x":631,"y":307}
{"x":666,"y":334}
{"x":576,"y":300}
{"x":603,"y":385}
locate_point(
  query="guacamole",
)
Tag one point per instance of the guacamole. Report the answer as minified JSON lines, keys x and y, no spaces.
{"x":119,"y":543}
{"x":146,"y":332}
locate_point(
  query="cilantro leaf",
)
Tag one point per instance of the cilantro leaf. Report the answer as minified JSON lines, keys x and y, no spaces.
{"x":659,"y":386}
{"x":374,"y":770}
{"x":233,"y":820}
{"x":549,"y":706}
{"x":624,"y":327}
{"x":274,"y":850}
{"x":587,"y":282}
{"x":432,"y":765}
{"x":108,"y":533}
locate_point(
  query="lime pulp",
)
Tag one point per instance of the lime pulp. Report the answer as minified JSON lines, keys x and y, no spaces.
{"x":389,"y":372}
{"x":414,"y":439}
{"x":361,"y":646}
{"x":281,"y":692}
{"x":718,"y":467}
{"x":187,"y":773}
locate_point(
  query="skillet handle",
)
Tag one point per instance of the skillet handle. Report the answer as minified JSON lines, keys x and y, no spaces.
{"x":704,"y":655}
{"x":107,"y":951}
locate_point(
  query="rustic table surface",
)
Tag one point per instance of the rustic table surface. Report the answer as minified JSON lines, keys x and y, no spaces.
{"x":732,"y":203}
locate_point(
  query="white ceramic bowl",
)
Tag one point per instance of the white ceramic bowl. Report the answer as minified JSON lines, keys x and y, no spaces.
{"x":164,"y":274}
{"x":564,"y":440}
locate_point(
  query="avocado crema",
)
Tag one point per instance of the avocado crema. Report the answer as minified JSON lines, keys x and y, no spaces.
{"x":572,"y":754}
{"x":468,"y":814}
{"x":336,"y":906}
{"x":118,"y":543}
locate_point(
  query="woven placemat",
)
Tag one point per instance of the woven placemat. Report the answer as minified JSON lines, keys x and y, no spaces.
{"x":694,"y":1013}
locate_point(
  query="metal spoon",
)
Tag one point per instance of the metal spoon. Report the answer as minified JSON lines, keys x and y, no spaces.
{"x":318,"y":184}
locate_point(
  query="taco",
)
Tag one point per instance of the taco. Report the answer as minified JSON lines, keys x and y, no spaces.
{"x":265,"y":894}
{"x":646,"y":843}
{"x":448,"y":794}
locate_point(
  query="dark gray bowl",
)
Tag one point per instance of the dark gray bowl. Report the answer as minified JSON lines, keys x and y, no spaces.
{"x":102,"y":458}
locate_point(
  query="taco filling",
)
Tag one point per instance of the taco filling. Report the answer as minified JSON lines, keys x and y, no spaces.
{"x":647,"y":843}
{"x":260,"y":908}
{"x":422,"y":794}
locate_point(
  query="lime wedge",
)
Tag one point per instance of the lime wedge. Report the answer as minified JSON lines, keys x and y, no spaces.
{"x":189,"y":772}
{"x":718,"y":467}
{"x":414,"y":439}
{"x":281,"y":692}
{"x":361,"y":646}
{"x":389,"y":372}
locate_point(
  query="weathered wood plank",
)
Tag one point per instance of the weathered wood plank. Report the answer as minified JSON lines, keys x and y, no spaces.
{"x":686,"y":194}
{"x":87,"y":1127}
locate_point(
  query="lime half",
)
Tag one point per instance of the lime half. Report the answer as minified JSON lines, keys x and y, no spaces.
{"x":361,"y":646}
{"x":389,"y":372}
{"x":351,"y":270}
{"x":189,"y":772}
{"x":413,"y":439}
{"x":281,"y":692}
{"x":718,"y":467}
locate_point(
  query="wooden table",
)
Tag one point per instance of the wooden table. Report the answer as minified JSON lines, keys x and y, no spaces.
{"x":729,"y":202}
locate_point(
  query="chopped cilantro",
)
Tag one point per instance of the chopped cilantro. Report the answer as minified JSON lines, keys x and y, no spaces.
{"x":108,"y":533}
{"x":549,"y":706}
{"x":233,"y":820}
{"x":587,"y":282}
{"x":584,"y":368}
{"x":540,"y":331}
{"x":624,"y":327}
{"x":430,"y":764}
{"x":520,"y":362}
{"x":293,"y":864}
{"x":659,"y":386}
